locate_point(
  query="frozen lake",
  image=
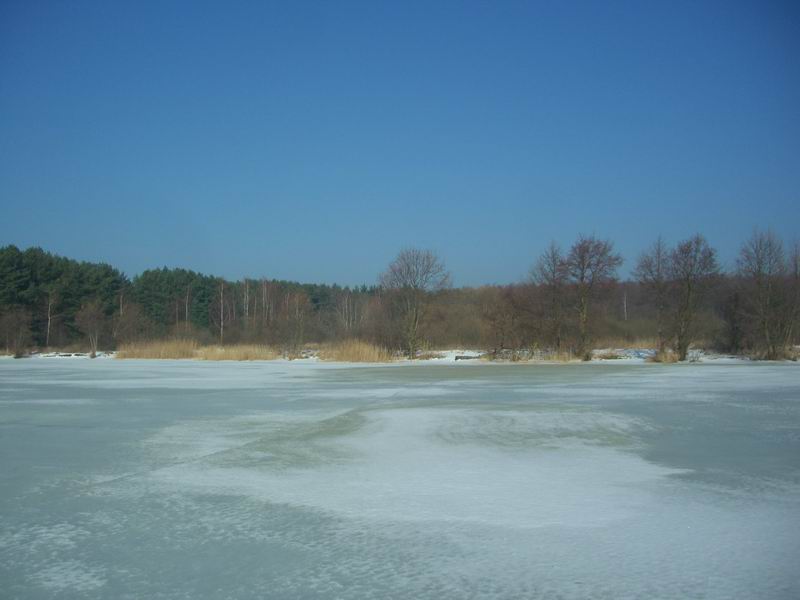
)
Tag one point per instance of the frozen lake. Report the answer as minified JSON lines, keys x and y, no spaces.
{"x":162,"y":479}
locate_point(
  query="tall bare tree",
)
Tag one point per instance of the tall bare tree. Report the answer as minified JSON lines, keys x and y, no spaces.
{"x":186,"y":302}
{"x":219,"y":312}
{"x":652,"y":272}
{"x":590,"y":264}
{"x":410,"y":279}
{"x":52,"y":302}
{"x":91,"y":320}
{"x":550,"y":273}
{"x":499,"y":314}
{"x":268,"y":302}
{"x":692,"y":266}
{"x":130,"y":324}
{"x":298,"y":309}
{"x":246,"y":305}
{"x":794,"y":278}
{"x":768,"y":300}
{"x":15,"y":327}
{"x":350,"y":309}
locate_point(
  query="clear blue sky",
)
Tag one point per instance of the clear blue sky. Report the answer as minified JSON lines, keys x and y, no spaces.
{"x":311,"y":141}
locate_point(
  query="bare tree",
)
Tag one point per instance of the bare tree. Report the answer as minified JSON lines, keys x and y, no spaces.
{"x":410,"y":279}
{"x":91,"y":319}
{"x":52,"y":301}
{"x":769,"y":305}
{"x":186,"y":302}
{"x":131,"y":324}
{"x":268,"y":302}
{"x":550,"y":273}
{"x":652,"y":272}
{"x":298,"y":308}
{"x":499,"y":314}
{"x":246,"y":301}
{"x":350,"y":309}
{"x":794,"y":278}
{"x":590,"y":264}
{"x":692,"y":266}
{"x":219,"y":310}
{"x":15,"y":327}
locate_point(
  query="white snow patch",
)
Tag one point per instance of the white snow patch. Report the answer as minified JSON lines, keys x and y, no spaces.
{"x":450,"y":465}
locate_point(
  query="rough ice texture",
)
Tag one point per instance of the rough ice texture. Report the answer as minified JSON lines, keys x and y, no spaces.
{"x":180,"y":479}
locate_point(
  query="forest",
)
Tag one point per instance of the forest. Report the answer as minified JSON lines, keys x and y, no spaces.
{"x":571,"y":303}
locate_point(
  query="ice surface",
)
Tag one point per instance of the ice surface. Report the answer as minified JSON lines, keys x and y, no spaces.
{"x":306,"y":480}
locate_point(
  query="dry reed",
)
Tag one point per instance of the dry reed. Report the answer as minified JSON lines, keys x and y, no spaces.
{"x":183,"y":349}
{"x":238,"y":352}
{"x":162,"y":349}
{"x":664,"y":356}
{"x":607,"y":355}
{"x":563,"y":356}
{"x":354,"y":351}
{"x":621,"y":342}
{"x":428,"y":355}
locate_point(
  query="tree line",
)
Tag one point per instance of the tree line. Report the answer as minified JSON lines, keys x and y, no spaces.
{"x":572,"y":301}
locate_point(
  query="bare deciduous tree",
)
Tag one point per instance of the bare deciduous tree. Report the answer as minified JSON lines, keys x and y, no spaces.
{"x":768,"y":298}
{"x":652,"y":272}
{"x":550,"y":273}
{"x":298,"y":309}
{"x":410,"y":279}
{"x":186,"y":302}
{"x":499,"y":314}
{"x":52,"y":301}
{"x":590,"y":263}
{"x":15,"y":327}
{"x":794,"y":278}
{"x":219,"y":310}
{"x":350,"y":309}
{"x":268,"y":299}
{"x":91,"y":320}
{"x":130,"y":324}
{"x":692,"y":266}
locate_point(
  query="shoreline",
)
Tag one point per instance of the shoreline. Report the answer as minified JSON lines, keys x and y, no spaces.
{"x":626,"y":356}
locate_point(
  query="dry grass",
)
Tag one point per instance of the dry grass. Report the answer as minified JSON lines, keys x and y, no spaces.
{"x":532,"y":356}
{"x":237,"y":352}
{"x":621,"y":342}
{"x":354,"y":351}
{"x":182,"y":349}
{"x":158,"y":349}
{"x":564,"y":356}
{"x":607,"y":355}
{"x":664,"y":356}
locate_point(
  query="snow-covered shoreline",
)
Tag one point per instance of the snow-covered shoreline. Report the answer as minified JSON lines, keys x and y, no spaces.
{"x":461,"y":356}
